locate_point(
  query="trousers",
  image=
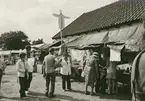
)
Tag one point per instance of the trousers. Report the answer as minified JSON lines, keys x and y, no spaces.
{"x":66,"y":79}
{"x":50,"y":78}
{"x":29,"y":80}
{"x":22,"y":86}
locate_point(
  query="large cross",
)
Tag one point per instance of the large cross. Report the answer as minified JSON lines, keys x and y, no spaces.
{"x":61,"y":22}
{"x":61,"y":18}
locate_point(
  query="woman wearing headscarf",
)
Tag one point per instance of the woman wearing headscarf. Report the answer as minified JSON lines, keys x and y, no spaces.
{"x":91,"y":72}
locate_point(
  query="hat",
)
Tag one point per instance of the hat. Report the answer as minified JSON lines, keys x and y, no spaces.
{"x":22,"y":55}
{"x":95,"y":53}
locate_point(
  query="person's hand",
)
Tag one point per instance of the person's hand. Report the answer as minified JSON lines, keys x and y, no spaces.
{"x":44,"y":76}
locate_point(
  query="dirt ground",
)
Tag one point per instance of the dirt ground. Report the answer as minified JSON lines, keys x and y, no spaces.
{"x":10,"y":90}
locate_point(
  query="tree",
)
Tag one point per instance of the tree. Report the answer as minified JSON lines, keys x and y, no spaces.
{"x":14,"y":40}
{"x":39,"y":41}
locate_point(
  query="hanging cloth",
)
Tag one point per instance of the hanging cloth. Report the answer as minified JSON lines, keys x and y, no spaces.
{"x":115,"y":53}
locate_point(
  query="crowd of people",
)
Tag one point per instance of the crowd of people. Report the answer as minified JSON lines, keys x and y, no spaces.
{"x":93,"y":72}
{"x":96,"y":72}
{"x":26,"y":66}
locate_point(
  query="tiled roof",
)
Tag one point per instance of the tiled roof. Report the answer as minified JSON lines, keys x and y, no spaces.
{"x":120,"y":12}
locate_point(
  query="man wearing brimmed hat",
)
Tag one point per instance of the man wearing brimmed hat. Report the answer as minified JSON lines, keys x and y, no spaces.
{"x":49,"y":69}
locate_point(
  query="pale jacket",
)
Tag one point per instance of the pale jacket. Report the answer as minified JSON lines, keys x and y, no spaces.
{"x":66,"y":67}
{"x":31,"y":62}
{"x":21,"y":67}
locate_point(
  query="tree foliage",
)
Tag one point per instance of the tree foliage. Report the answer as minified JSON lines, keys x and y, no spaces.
{"x":14,"y":40}
{"x":39,"y":41}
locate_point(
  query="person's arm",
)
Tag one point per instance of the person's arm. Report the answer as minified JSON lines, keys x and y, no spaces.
{"x":27,"y":66}
{"x":84,"y":64}
{"x":58,"y":63}
{"x":70,"y":61}
{"x":43,"y":69}
{"x":35,"y":62}
{"x":96,"y":68}
{"x":43,"y":64}
{"x":44,"y":61}
{"x":4,"y":65}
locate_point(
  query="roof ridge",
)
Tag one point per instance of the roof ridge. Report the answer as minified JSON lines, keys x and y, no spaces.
{"x":102,"y":7}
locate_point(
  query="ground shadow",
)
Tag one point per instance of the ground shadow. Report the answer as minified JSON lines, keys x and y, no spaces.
{"x":34,"y":96}
{"x":77,"y":91}
{"x":10,"y":98}
{"x":69,"y":98}
{"x":40,"y":97}
{"x":58,"y":97}
{"x":28,"y":99}
{"x":116,"y":97}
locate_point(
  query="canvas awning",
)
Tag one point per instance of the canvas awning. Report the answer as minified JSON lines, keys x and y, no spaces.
{"x":45,"y":46}
{"x":116,"y":47}
{"x":36,"y":46}
{"x":135,"y":41}
{"x":129,"y":35}
{"x":5,"y":52}
{"x":89,"y":39}
{"x":56,"y":44}
{"x":121,"y":35}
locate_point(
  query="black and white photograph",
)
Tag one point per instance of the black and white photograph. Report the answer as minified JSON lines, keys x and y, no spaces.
{"x":72,"y":50}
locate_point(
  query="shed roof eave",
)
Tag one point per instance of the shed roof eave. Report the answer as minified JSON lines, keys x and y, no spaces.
{"x":101,"y":29}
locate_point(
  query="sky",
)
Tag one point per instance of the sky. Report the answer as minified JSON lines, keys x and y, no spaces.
{"x":34,"y":17}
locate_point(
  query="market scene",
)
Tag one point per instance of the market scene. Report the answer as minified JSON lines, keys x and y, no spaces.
{"x":97,"y":57}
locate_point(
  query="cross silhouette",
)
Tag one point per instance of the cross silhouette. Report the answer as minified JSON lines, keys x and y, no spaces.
{"x":61,"y":18}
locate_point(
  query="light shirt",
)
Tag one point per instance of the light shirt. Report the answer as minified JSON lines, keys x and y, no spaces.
{"x":49,"y":61}
{"x":31,"y":62}
{"x":21,"y":67}
{"x":66,"y":67}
